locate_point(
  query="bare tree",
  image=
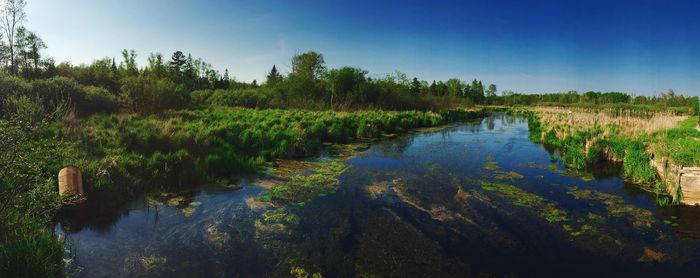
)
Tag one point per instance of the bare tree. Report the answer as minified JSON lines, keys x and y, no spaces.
{"x":11,"y":19}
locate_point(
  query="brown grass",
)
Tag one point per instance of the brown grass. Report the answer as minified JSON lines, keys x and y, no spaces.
{"x":629,"y":124}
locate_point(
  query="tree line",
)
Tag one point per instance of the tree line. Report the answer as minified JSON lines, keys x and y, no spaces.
{"x":182,"y":81}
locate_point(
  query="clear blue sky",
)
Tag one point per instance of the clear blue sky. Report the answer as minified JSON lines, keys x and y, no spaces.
{"x":637,"y":46}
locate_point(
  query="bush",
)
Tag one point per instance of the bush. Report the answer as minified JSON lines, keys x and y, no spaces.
{"x":54,"y":91}
{"x":99,"y":100}
{"x":147,"y":95}
{"x":249,"y":98}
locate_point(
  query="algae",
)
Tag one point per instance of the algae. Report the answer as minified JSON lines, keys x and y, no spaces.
{"x":190,"y":209}
{"x":616,"y":207}
{"x":302,"y":187}
{"x":509,"y":176}
{"x":544,"y":208}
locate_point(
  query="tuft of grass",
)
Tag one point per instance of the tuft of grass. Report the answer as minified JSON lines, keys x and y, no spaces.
{"x":38,"y":256}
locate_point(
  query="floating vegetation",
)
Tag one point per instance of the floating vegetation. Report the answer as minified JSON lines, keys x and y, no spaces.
{"x":275,"y":222}
{"x":491,"y":164}
{"x":176,"y":201}
{"x":616,"y":206}
{"x":461,"y":195}
{"x":650,"y":255}
{"x":552,"y":167}
{"x":583,"y":229}
{"x":377,"y":189}
{"x":216,"y":237}
{"x":299,"y":272}
{"x":191,"y":207}
{"x":509,"y":176}
{"x":151,"y":262}
{"x":302,"y":187}
{"x":522,"y":198}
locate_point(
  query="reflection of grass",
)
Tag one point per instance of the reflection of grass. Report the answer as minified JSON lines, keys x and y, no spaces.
{"x":616,"y":206}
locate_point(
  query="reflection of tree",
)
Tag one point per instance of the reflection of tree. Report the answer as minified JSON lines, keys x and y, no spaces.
{"x":473,"y":126}
{"x":490,"y":122}
{"x":396,"y":147}
{"x":100,"y":217}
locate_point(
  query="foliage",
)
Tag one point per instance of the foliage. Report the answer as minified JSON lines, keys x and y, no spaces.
{"x":146,"y":95}
{"x":681,"y":145}
{"x":38,"y":256}
{"x":29,"y":161}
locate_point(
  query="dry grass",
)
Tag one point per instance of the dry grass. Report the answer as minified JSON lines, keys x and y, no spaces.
{"x":629,"y":123}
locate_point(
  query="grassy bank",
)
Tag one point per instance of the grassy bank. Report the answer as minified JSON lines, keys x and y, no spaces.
{"x":125,"y":154}
{"x":583,"y":137}
{"x":122,"y":155}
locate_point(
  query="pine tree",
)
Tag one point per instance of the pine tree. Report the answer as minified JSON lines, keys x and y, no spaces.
{"x":273,"y":77}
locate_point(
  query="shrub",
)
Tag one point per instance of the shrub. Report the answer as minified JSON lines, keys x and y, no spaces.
{"x":147,"y":95}
{"x":99,"y":100}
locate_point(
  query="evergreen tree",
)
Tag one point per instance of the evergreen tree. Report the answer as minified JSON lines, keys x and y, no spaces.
{"x":176,"y":64}
{"x":273,"y":77}
{"x":415,"y":86}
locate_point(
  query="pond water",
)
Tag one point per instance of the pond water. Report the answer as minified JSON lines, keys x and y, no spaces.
{"x":469,"y":199}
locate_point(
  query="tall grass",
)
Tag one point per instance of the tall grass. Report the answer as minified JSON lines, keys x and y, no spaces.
{"x":124,"y":153}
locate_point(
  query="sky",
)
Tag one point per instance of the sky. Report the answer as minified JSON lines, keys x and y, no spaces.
{"x":636,"y":46}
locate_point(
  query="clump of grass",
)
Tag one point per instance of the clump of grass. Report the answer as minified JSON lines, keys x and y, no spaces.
{"x":302,"y":187}
{"x":38,"y":256}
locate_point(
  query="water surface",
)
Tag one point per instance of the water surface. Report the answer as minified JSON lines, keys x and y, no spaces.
{"x":469,"y":199}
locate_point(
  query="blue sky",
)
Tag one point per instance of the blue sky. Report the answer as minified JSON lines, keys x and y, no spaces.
{"x":636,"y":46}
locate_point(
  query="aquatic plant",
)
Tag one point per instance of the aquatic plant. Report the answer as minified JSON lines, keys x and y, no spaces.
{"x":543,"y":207}
{"x":617,"y":207}
{"x":304,"y":186}
{"x":510,"y":175}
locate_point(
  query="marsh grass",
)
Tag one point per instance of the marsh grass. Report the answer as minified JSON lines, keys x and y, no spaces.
{"x":37,"y":256}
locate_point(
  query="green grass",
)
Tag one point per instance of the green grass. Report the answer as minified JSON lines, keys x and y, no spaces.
{"x":682,"y":144}
{"x":38,"y":256}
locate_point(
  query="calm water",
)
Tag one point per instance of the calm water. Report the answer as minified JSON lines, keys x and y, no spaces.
{"x":469,"y":199}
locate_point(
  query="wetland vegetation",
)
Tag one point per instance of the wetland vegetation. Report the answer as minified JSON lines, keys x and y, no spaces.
{"x":331,"y":172}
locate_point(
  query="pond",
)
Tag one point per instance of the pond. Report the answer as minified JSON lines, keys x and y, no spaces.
{"x":469,"y":199}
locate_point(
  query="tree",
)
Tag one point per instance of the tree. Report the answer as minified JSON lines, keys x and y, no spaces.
{"x":309,"y":64}
{"x":12,"y":18}
{"x":455,"y":87}
{"x":155,"y":65}
{"x":226,"y":77}
{"x":477,"y":92}
{"x":177,"y":62}
{"x":147,"y":95}
{"x":343,"y":83}
{"x":491,"y":93}
{"x":415,"y":86}
{"x":128,"y":65}
{"x":273,"y":77}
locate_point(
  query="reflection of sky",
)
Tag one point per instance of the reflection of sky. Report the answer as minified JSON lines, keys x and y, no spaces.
{"x":639,"y":46}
